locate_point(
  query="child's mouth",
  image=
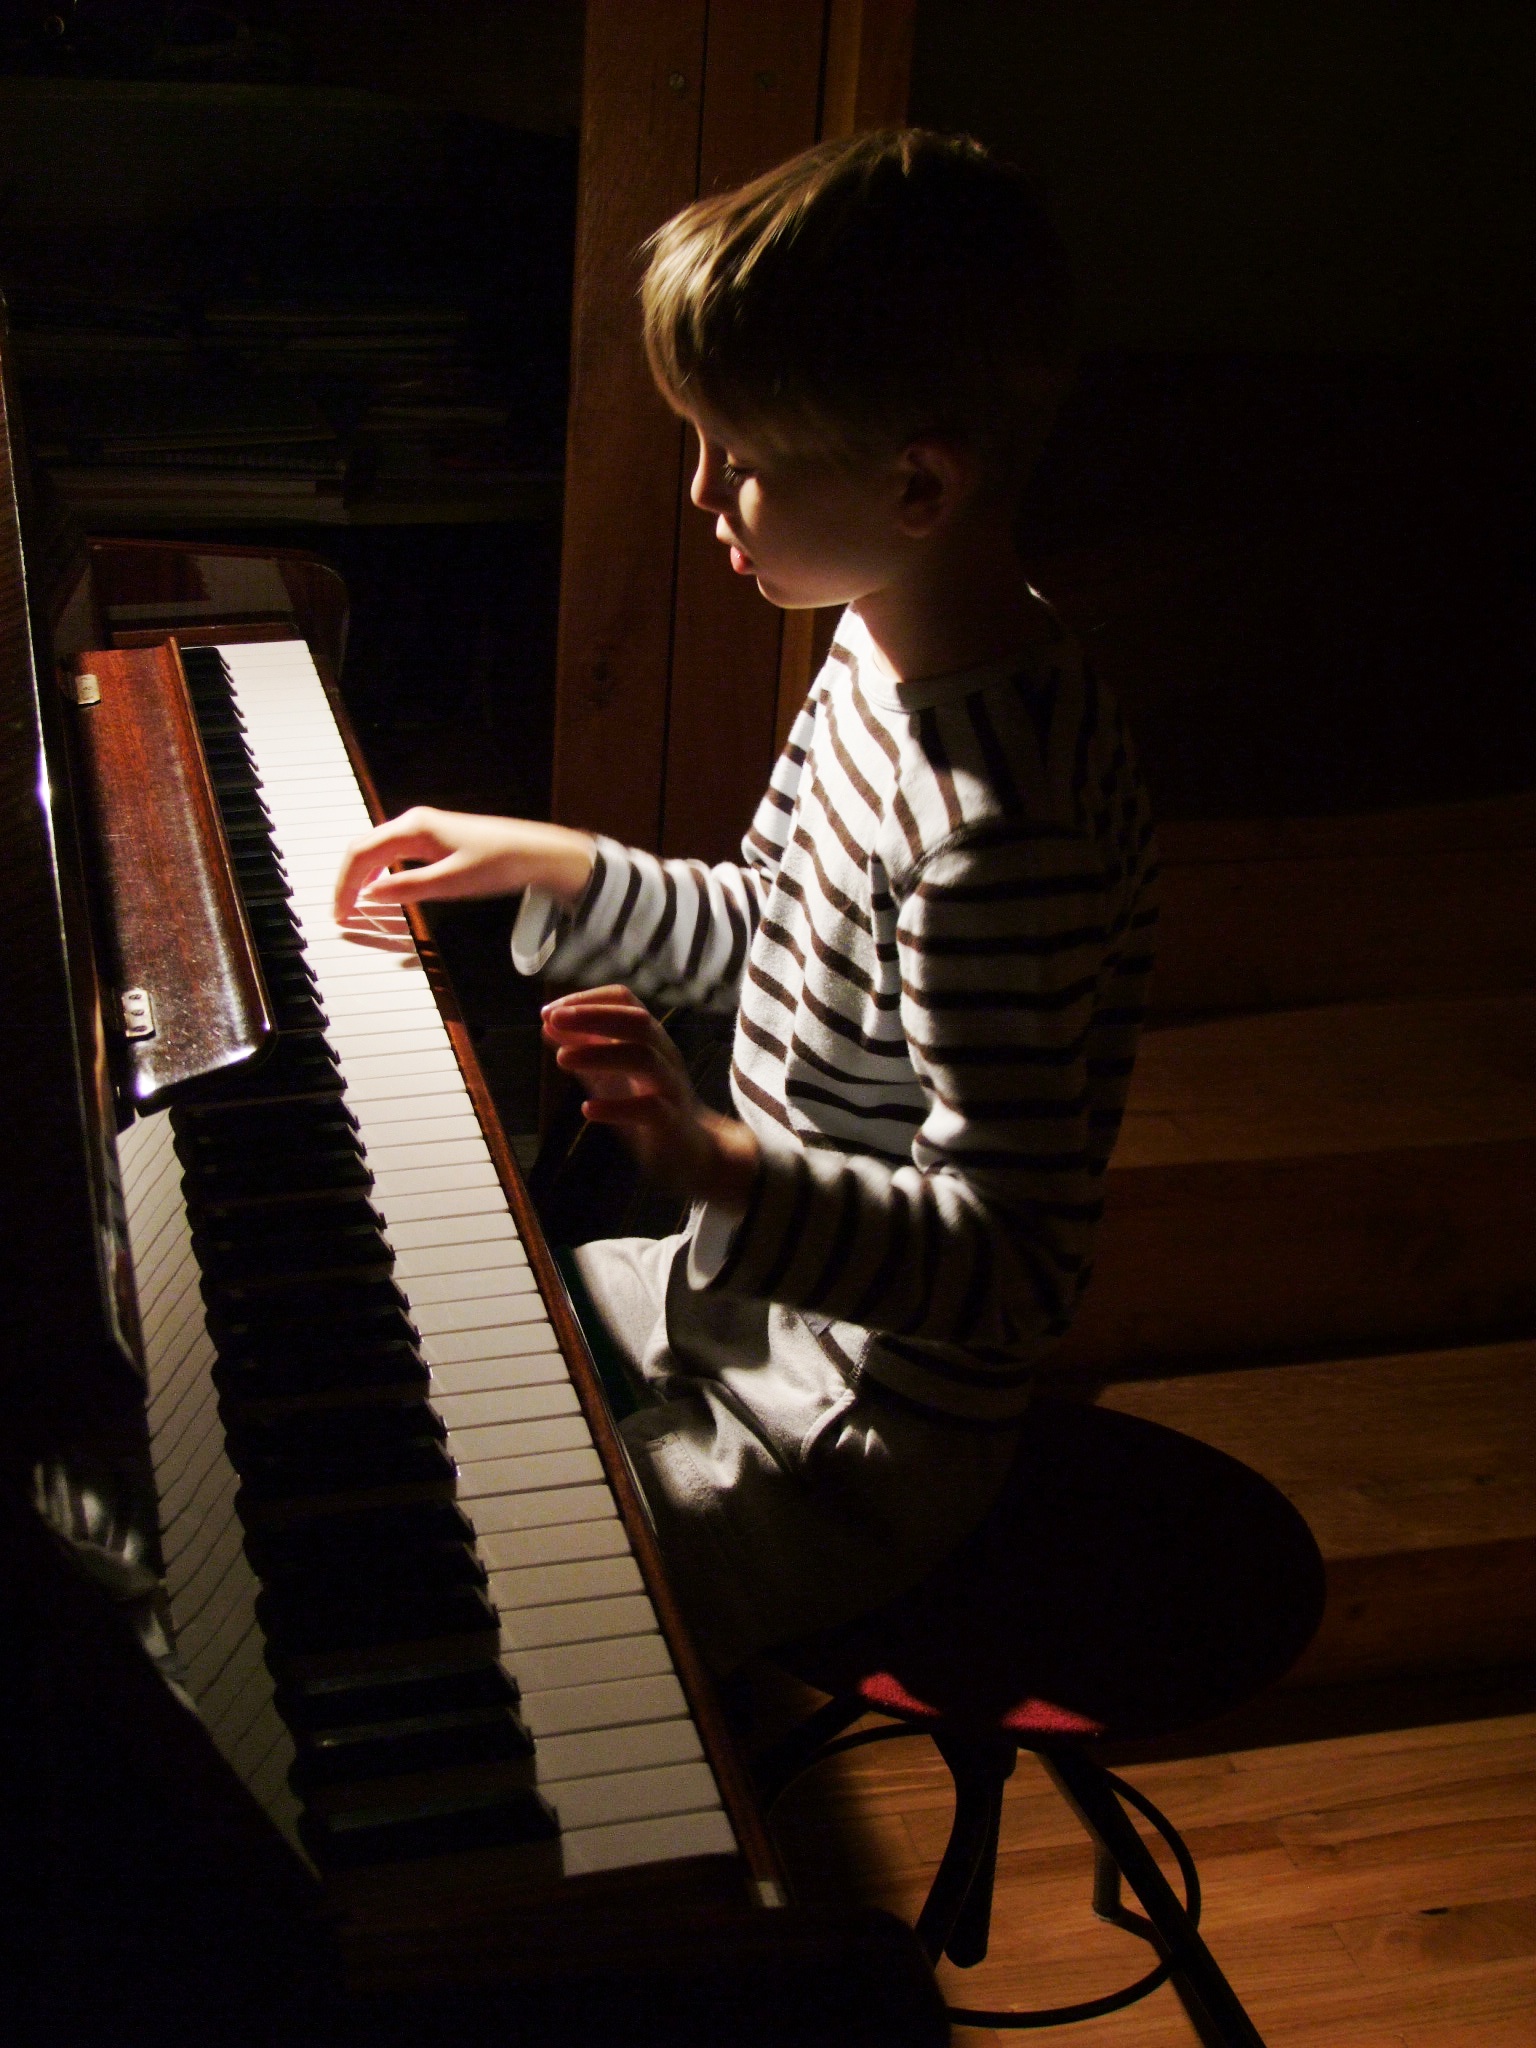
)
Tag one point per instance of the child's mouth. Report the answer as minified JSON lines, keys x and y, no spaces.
{"x":741,"y":563}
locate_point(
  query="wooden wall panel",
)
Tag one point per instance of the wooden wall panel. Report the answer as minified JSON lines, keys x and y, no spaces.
{"x":762,"y":87}
{"x":639,"y":163}
{"x":865,"y":83}
{"x":869,"y":64}
{"x":673,"y":675}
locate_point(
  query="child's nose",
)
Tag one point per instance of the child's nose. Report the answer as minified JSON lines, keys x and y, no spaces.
{"x":705,"y":489}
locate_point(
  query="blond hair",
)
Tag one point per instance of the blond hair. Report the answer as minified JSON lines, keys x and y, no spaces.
{"x":866,"y":294}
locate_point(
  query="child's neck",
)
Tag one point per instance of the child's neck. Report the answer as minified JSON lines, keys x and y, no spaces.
{"x":965,"y":600}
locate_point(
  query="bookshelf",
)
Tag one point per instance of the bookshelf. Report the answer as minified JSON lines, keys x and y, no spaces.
{"x":284,"y":303}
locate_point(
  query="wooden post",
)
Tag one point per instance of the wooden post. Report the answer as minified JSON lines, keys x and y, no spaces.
{"x":642,"y":92}
{"x":674,"y":678}
{"x":864,"y":85}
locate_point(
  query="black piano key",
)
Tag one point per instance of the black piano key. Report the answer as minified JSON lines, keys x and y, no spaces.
{"x":263,"y":1177}
{"x":309,"y":1582}
{"x":287,"y":1249}
{"x":317,"y":1314}
{"x":277,"y":1480}
{"x":231,"y":768}
{"x":380,"y":1835}
{"x":347,"y":1542}
{"x":260,"y":878}
{"x":244,"y":808}
{"x":250,"y":846}
{"x":299,"y":1625}
{"x":300,"y":1063}
{"x":326,"y":1431}
{"x":317,"y":1709}
{"x":294,"y":1008}
{"x":314,"y":1576}
{"x":272,"y":925}
{"x":486,"y":1738}
{"x":287,"y":1369}
{"x":290,"y":972}
{"x":215,"y":1126}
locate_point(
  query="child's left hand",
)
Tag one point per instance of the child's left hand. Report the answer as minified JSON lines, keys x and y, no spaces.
{"x":635,"y":1080}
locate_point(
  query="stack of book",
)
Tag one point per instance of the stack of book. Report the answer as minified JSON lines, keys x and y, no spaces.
{"x":223,"y":449}
{"x":257,"y":364}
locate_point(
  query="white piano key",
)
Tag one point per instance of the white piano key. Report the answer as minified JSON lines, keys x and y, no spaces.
{"x":354,"y":1038}
{"x":206,"y":1620}
{"x":400,"y":1183}
{"x":568,"y":1623}
{"x":479,"y":1200}
{"x":488,"y":1312}
{"x":429,"y":1149}
{"x":540,"y":1368}
{"x":495,"y":1441}
{"x":506,"y":1407}
{"x":535,"y":1550}
{"x":206,"y":1572}
{"x":640,"y":1794}
{"x":384,"y":1087}
{"x":529,"y":1475}
{"x":620,"y":1704}
{"x":430,"y":1283}
{"x":470,"y":1347}
{"x":189,"y":1495}
{"x":586,"y":1851}
{"x":433,"y":1128}
{"x":610,"y":1750}
{"x":435,"y":1248}
{"x":539,"y":1508}
{"x":583,"y":1664}
{"x":404,"y":1066}
{"x":184,"y":1532}
{"x":559,"y":1584}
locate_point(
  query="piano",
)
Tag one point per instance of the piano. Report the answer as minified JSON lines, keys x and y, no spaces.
{"x":349,"y":1695}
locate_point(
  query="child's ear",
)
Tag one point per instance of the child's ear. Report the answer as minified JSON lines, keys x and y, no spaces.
{"x":936,"y":479}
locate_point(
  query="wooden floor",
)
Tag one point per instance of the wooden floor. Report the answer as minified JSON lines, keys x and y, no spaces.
{"x":1377,"y":1891}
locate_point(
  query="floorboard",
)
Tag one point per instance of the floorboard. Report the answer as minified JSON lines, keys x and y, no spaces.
{"x":1372,"y":1891}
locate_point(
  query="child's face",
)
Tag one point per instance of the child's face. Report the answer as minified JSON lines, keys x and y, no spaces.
{"x":811,"y":531}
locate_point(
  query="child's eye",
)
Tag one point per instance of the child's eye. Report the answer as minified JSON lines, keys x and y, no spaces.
{"x":733,"y":474}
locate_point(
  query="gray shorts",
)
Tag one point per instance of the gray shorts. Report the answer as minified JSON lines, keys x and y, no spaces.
{"x":784,"y":1500}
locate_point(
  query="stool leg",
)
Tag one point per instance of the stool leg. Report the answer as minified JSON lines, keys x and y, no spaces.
{"x":968,"y":1938}
{"x":778,"y":1767}
{"x":1213,"y":2006}
{"x":957,"y":1913}
{"x":1106,"y":1883}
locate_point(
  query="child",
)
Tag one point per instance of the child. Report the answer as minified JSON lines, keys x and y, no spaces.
{"x":938,"y":935}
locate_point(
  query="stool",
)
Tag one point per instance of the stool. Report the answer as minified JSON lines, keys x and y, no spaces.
{"x":1128,"y":1583}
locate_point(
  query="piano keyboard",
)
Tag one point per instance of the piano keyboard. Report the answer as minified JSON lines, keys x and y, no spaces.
{"x":616,"y":1756}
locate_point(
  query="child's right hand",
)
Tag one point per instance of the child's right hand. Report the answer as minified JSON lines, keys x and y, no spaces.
{"x":467,"y":855}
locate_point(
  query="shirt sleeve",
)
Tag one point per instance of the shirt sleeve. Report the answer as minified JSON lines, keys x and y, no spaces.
{"x":1010,"y":943}
{"x":674,"y":931}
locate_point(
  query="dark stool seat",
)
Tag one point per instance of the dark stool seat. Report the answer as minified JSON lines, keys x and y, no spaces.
{"x":1129,"y":1582}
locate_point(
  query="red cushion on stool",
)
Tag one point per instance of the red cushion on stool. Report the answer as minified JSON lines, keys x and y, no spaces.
{"x":884,"y":1690}
{"x":1129,"y":1581}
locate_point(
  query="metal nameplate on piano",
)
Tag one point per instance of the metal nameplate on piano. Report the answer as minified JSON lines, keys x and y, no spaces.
{"x":138,"y":1013}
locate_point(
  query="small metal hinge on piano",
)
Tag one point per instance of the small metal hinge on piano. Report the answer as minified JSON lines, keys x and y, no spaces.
{"x":138,"y":1013}
{"x":87,"y":689}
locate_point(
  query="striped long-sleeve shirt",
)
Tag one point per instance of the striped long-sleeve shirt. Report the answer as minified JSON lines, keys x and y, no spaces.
{"x":939,"y":939}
